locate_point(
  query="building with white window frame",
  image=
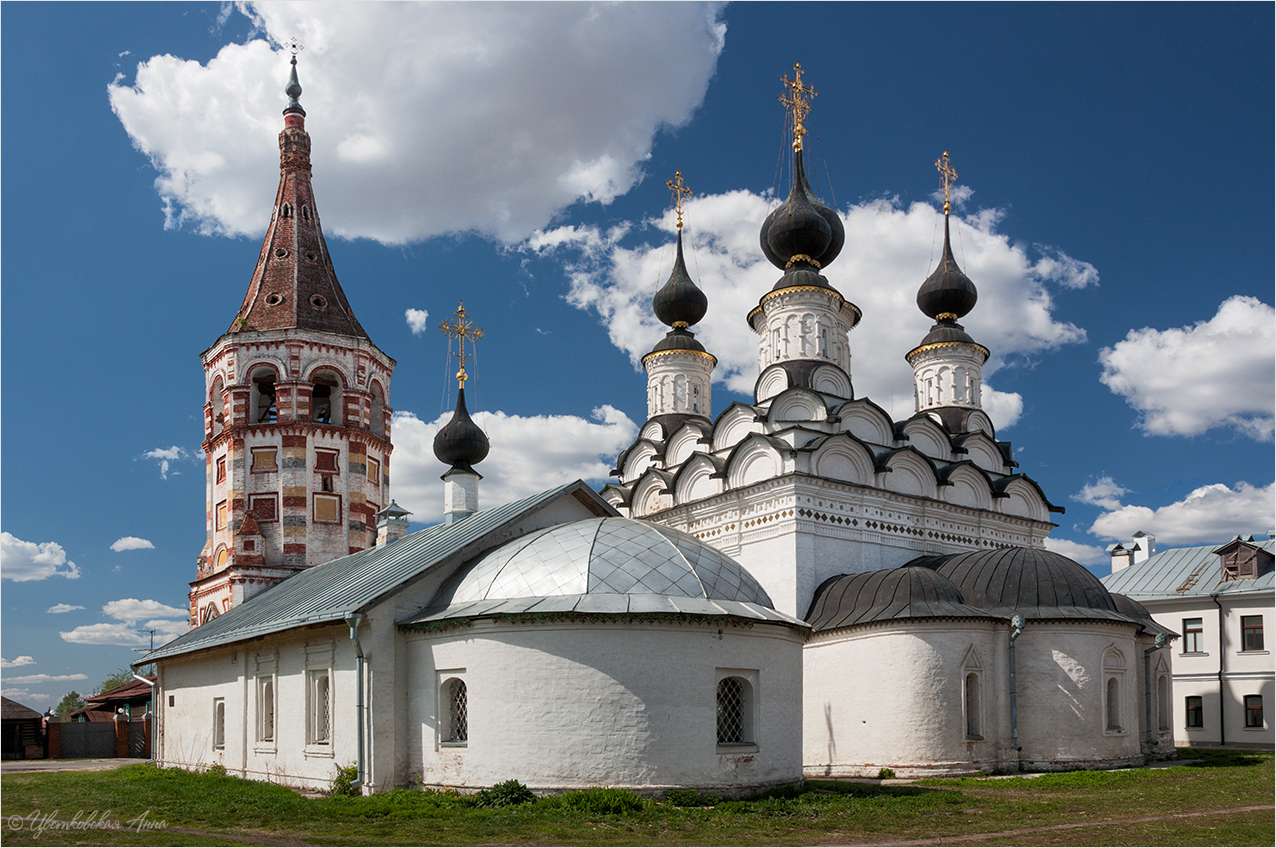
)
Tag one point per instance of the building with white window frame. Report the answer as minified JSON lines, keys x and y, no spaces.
{"x":1220,"y":599}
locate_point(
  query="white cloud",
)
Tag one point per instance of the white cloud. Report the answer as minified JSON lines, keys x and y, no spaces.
{"x":886,"y":258}
{"x":416,"y":320}
{"x":1102,"y":492}
{"x":106,"y":634}
{"x":131,"y":610}
{"x":166,"y":457}
{"x":1084,"y":554}
{"x":57,"y":609}
{"x":529,"y":454}
{"x":1213,"y":513}
{"x":1216,"y":373}
{"x":22,"y":561}
{"x":16,"y":662}
{"x":26,"y":697}
{"x":511,"y":111}
{"x":28,"y":679}
{"x":131,"y":543}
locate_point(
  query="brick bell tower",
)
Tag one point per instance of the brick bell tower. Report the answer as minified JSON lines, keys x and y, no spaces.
{"x":297,"y":412}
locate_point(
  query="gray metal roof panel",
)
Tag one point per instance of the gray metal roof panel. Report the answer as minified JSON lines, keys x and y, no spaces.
{"x":327,"y":592}
{"x":1185,"y":573}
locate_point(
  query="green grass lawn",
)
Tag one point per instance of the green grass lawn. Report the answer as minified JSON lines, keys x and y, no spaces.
{"x":1194,"y":804}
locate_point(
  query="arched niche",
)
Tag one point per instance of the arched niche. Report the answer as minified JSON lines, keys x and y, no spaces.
{"x":831,"y":380}
{"x":774,"y":380}
{"x":217,"y":399}
{"x":753,"y":461}
{"x":642,"y":456}
{"x":929,"y":438}
{"x":697,"y":480}
{"x":984,"y":452}
{"x":376,"y":424}
{"x":649,"y":495}
{"x":967,"y":487}
{"x":909,"y":474}
{"x":1023,"y":500}
{"x":682,"y":445}
{"x":867,"y":421}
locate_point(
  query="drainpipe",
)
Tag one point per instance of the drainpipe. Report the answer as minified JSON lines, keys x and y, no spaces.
{"x":1016,"y":629}
{"x":1222,"y":667}
{"x":1147,"y":685}
{"x":150,"y":683}
{"x":354,"y":619}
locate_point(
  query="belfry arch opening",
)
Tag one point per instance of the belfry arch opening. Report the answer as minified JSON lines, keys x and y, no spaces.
{"x":264,"y":408}
{"x":217,"y":398}
{"x":377,"y":423}
{"x":325,"y":403}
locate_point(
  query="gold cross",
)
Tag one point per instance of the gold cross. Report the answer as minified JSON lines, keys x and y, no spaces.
{"x":797,"y":102}
{"x":948,"y":176}
{"x":679,"y":188}
{"x":462,"y":328}
{"x":295,"y":45}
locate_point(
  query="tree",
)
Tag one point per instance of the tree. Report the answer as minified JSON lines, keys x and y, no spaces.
{"x":115,"y":679}
{"x":70,"y":702}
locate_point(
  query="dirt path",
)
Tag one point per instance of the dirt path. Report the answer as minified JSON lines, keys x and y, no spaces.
{"x":1001,"y":834}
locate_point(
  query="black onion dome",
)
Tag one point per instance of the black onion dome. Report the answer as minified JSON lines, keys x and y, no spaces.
{"x":460,"y":443}
{"x":1034,"y":582}
{"x":680,"y":301}
{"x":678,"y":339}
{"x":947,"y":290}
{"x":802,"y":225}
{"x":887,"y":595}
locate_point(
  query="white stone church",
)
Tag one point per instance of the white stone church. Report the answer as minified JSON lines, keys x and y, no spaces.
{"x":797,"y":586}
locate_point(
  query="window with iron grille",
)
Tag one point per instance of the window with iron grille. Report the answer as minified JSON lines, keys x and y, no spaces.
{"x":1253,"y":710}
{"x":1251,"y":633}
{"x":1194,"y":707}
{"x":1193,"y":636}
{"x":731,"y":711}
{"x":458,"y":711}
{"x":320,"y":712}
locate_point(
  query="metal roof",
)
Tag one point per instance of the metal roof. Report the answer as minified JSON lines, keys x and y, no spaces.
{"x":1186,"y":573}
{"x":891,"y":594}
{"x":605,"y":565}
{"x":326,"y":593}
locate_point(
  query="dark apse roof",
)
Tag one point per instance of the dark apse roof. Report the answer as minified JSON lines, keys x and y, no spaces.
{"x":888,"y":595}
{"x":1134,"y":609}
{"x":1033,"y":582}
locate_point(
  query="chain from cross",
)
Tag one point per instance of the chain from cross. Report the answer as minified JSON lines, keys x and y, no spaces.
{"x":679,"y":188}
{"x":948,"y":176}
{"x":461,"y":329}
{"x":797,"y":102}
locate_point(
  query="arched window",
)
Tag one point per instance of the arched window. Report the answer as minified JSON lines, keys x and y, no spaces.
{"x":1114,"y":704}
{"x":219,"y":406}
{"x":319,"y":723}
{"x":735,"y":711}
{"x":973,"y":707}
{"x":219,"y":723}
{"x":209,"y":613}
{"x":266,"y":710}
{"x":264,"y":410}
{"x":457,"y":709}
{"x":377,"y":424}
{"x":285,"y":211}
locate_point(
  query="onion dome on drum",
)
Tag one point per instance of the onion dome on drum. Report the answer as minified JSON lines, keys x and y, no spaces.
{"x":802,"y":228}
{"x":947,"y":291}
{"x":460,"y":443}
{"x":680,"y":302}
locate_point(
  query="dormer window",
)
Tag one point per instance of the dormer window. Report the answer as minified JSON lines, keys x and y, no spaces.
{"x":1240,"y":560}
{"x":285,"y":211}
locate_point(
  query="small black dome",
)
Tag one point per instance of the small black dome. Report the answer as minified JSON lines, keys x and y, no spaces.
{"x":678,"y":340}
{"x":802,"y":225}
{"x":947,"y":290}
{"x":801,"y":274}
{"x":680,"y":301}
{"x":947,"y":330}
{"x":460,"y":443}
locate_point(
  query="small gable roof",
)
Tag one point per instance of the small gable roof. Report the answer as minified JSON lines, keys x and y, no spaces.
{"x":1186,"y":573}
{"x":327,"y":593}
{"x":11,"y":710}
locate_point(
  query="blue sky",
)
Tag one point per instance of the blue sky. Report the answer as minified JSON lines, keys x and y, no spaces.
{"x":1116,"y":184}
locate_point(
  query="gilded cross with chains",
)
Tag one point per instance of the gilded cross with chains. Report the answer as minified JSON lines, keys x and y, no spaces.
{"x":679,"y":188}
{"x":797,"y":102}
{"x":295,"y":46}
{"x":948,"y":175}
{"x":462,"y":328}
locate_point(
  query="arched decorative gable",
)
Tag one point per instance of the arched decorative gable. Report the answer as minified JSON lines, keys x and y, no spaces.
{"x":652,"y":431}
{"x":699,"y":478}
{"x":978,"y":421}
{"x":755,"y":459}
{"x":797,"y":405}
{"x":929,"y":438}
{"x":1024,"y":500}
{"x":683,"y":444}
{"x":843,"y":457}
{"x":867,"y":421}
{"x":831,"y":380}
{"x":967,"y":486}
{"x":642,"y":455}
{"x":984,"y":452}
{"x":650,"y":494}
{"x":773,"y":380}
{"x":910,"y":473}
{"x":735,"y":423}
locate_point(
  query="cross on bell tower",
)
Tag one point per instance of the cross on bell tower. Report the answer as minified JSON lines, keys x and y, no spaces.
{"x":461,"y":328}
{"x":797,"y":102}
